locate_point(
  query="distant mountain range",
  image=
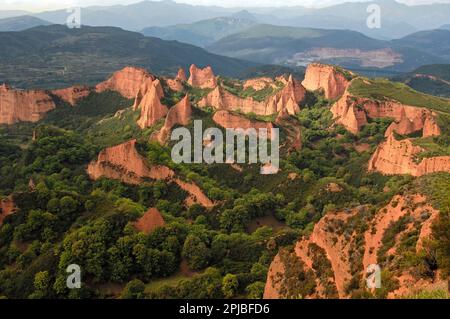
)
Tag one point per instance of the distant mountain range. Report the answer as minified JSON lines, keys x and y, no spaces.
{"x":21,"y":23}
{"x":204,"y":32}
{"x":397,"y":20}
{"x":293,"y":46}
{"x":55,"y":56}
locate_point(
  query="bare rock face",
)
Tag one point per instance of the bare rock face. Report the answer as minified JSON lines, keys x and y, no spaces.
{"x":325,"y":78}
{"x":127,"y":82}
{"x":151,"y":220}
{"x":7,"y":207}
{"x":259,"y":84}
{"x":394,"y":157}
{"x":124,"y":163}
{"x":329,"y":242}
{"x":180,"y":114}
{"x":152,"y":110}
{"x":23,"y":106}
{"x":181,"y":75}
{"x":288,"y":98}
{"x":145,"y":89}
{"x":352,"y":112}
{"x":72,"y":94}
{"x":202,"y":78}
{"x":233,"y":121}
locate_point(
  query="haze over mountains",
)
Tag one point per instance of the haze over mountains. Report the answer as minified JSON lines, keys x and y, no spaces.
{"x":397,"y":19}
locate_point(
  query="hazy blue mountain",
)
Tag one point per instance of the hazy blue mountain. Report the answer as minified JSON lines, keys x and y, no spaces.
{"x":12,"y":13}
{"x":445,"y":27}
{"x":204,"y":32}
{"x":432,"y":79}
{"x":436,"y":42}
{"x":21,"y":23}
{"x":55,"y":55}
{"x":397,"y":20}
{"x":140,"y":15}
{"x":292,"y":46}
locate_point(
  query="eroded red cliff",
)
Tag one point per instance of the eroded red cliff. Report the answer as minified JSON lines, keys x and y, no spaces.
{"x":177,"y":84}
{"x":352,"y":112}
{"x":124,"y":163}
{"x":229,"y":120}
{"x":180,"y":114}
{"x":72,"y":94}
{"x":326,"y":78}
{"x":287,"y":98}
{"x":202,"y":78}
{"x":7,"y":207}
{"x":152,"y":110}
{"x":336,"y":239}
{"x":151,"y":220}
{"x":394,"y":157}
{"x":23,"y":105}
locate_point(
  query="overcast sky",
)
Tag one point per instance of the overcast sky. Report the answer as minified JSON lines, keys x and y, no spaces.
{"x":38,"y":5}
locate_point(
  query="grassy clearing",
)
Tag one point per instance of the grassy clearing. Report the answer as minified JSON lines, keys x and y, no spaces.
{"x":382,"y":89}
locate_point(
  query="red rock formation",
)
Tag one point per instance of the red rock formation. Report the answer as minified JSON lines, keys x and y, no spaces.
{"x":398,"y":157}
{"x":127,"y":82}
{"x":145,"y":89}
{"x":229,"y":120}
{"x":288,"y":98}
{"x":72,"y":94}
{"x":152,"y":110}
{"x":177,"y":83}
{"x":352,"y":112}
{"x":180,"y":114}
{"x":151,"y":220}
{"x":202,"y":78}
{"x":325,"y":78}
{"x":259,"y":84}
{"x":124,"y":163}
{"x":7,"y":207}
{"x":336,"y":235}
{"x":23,"y":106}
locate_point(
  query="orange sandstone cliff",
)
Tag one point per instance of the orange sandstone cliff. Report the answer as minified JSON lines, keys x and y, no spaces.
{"x":23,"y":105}
{"x":127,"y":81}
{"x":177,"y":83}
{"x":151,"y":220}
{"x":72,"y":94}
{"x":180,"y":114}
{"x":349,"y":251}
{"x":7,"y":207}
{"x":202,"y":78}
{"x":288,"y":98}
{"x":352,"y":112}
{"x":234,"y":121}
{"x":124,"y":163}
{"x":152,"y":110}
{"x":398,"y":157}
{"x":326,"y":78}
